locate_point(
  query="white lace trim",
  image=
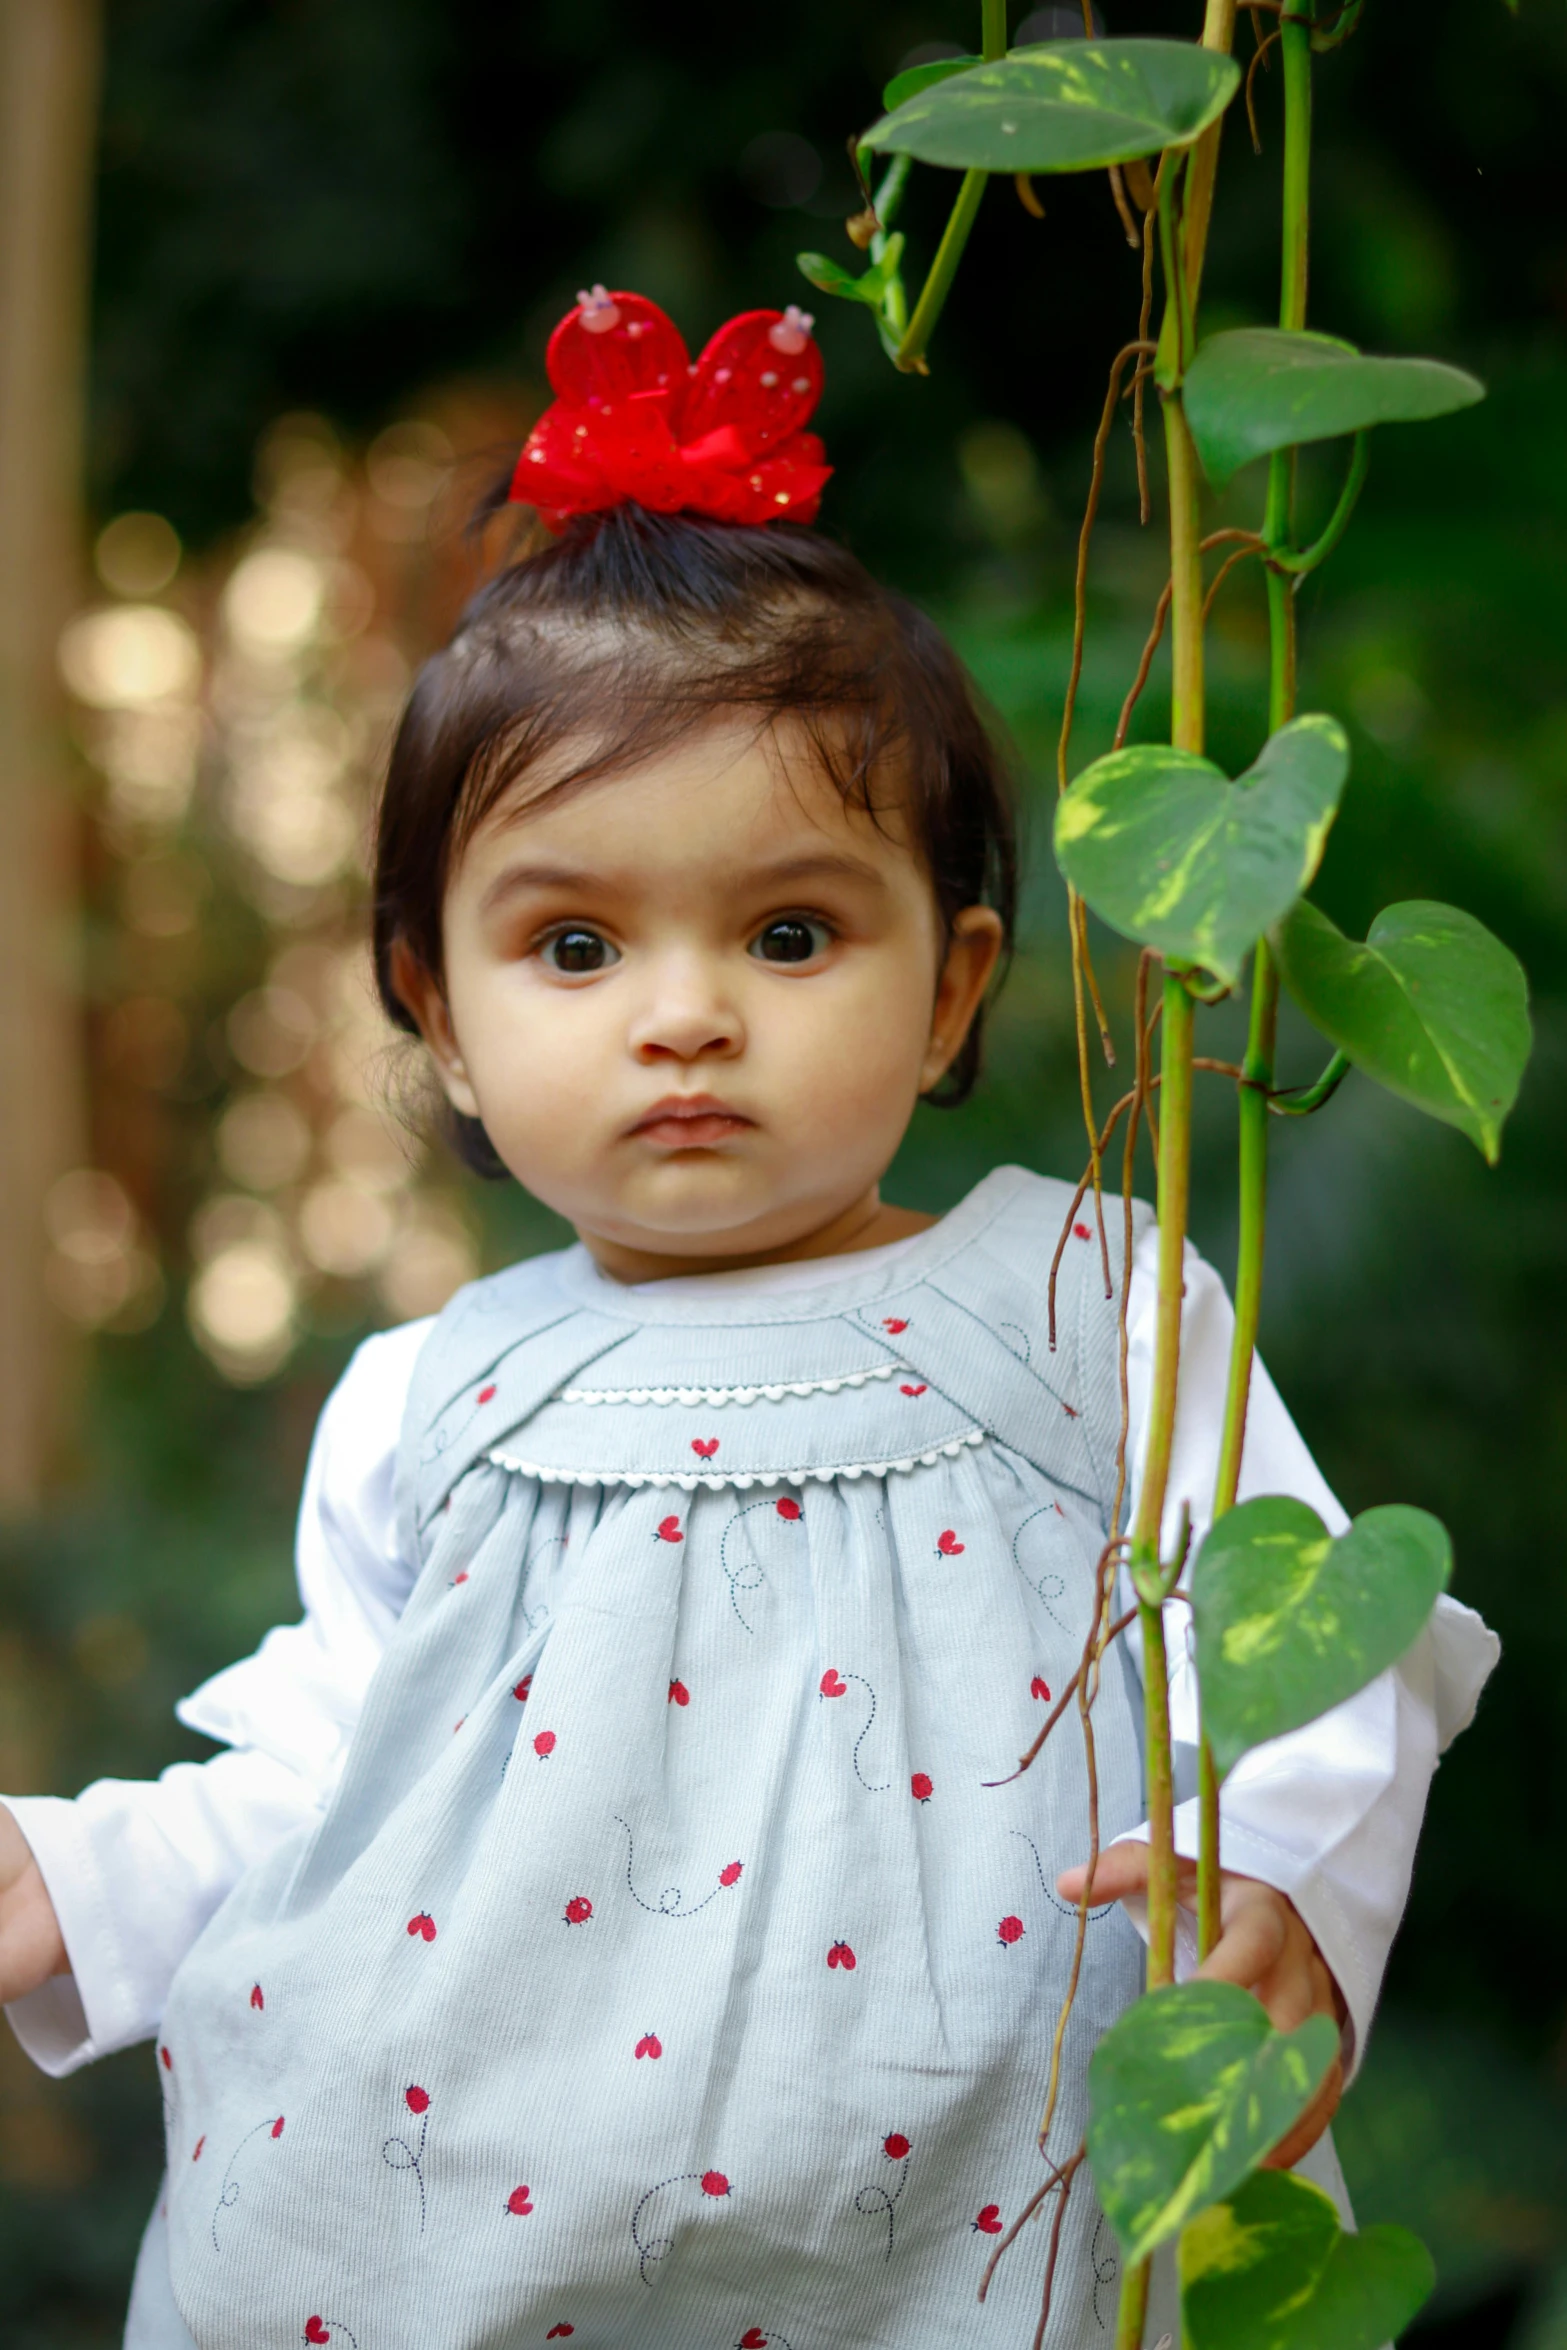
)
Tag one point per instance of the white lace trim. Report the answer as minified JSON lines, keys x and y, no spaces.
{"x":772,"y":1392}
{"x":741,"y":1480}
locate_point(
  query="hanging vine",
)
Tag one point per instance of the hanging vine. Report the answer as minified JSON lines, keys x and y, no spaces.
{"x":1191,"y":2090}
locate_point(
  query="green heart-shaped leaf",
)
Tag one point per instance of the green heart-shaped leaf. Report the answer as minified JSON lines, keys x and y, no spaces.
{"x":1172,"y":854}
{"x":869,"y":287}
{"x":1290,"y":1622}
{"x":1257,"y":389}
{"x":1432,"y":1006}
{"x":1269,"y":2268}
{"x":924,"y":77}
{"x":1186,"y":2093}
{"x":1063,"y":106}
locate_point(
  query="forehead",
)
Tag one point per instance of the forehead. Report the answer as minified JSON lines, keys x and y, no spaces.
{"x":733,"y":791}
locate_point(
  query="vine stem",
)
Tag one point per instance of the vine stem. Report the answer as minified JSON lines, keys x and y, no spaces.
{"x":1133,"y":2312}
{"x":1182,"y":240}
{"x":1218,"y":32}
{"x":937,"y":286}
{"x":1175,"y":1134}
{"x":1297,"y":565}
{"x":1252,"y":1108}
{"x":1186,"y":591}
{"x":910,"y":356}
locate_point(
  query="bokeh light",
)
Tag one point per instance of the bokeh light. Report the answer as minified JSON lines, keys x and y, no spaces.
{"x":129,"y":655}
{"x":263,"y":1141}
{"x":137,"y":554}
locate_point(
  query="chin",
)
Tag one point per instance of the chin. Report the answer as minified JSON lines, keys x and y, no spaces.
{"x":693,"y":1217}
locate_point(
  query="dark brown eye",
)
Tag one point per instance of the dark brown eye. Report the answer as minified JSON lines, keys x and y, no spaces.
{"x":576,"y":952}
{"x":792,"y":939}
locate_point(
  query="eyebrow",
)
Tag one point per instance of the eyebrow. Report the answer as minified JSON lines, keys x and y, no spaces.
{"x":825,"y":865}
{"x":518,"y":878}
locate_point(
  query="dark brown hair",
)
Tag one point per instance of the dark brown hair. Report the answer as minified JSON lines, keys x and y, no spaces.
{"x":629,"y":633}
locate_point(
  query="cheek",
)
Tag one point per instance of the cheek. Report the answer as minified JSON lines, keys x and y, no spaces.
{"x":858,"y":1045}
{"x":527,"y":1046}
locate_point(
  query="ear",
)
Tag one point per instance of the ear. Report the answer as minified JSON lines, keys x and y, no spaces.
{"x":420,"y":993}
{"x":973,"y":946}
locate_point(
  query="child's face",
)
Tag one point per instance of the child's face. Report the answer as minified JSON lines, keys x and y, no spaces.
{"x":694,"y":1006}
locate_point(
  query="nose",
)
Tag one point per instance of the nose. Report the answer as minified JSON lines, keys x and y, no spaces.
{"x":688,"y":1015}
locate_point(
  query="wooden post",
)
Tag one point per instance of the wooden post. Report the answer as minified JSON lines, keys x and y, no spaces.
{"x":49,"y":54}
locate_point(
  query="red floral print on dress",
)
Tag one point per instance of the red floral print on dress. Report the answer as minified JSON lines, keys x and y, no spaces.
{"x":746,"y":1576}
{"x":879,"y":2201}
{"x":650,"y":2249}
{"x":229,"y":2193}
{"x":834,"y":1684}
{"x":671,"y":1901}
{"x":398,"y":2154}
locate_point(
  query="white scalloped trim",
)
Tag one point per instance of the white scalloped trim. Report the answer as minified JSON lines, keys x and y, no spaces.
{"x":771,"y":1393}
{"x":740,"y":1480}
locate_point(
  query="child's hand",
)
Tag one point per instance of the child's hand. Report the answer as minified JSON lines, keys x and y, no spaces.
{"x":1264,"y":1947}
{"x":31,"y":1945}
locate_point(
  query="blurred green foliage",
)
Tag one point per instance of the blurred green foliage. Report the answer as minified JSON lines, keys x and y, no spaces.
{"x":341,"y":206}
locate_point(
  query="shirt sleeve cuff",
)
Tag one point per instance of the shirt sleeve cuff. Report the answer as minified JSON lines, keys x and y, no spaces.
{"x":52,"y":2023}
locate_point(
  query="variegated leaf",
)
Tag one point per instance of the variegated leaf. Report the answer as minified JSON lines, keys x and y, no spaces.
{"x":1291,"y":1622}
{"x":1186,"y":2093}
{"x":1171,"y":853}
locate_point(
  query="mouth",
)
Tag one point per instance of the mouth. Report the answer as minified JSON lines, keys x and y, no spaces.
{"x":694,"y":1121}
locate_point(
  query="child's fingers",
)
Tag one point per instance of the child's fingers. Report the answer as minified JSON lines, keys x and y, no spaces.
{"x":1251,"y":1945}
{"x":1118,"y":1872}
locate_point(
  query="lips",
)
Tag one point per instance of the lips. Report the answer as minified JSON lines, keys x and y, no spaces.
{"x":690,"y":1122}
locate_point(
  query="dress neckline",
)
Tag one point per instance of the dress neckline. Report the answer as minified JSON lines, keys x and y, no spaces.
{"x":849,"y":1284}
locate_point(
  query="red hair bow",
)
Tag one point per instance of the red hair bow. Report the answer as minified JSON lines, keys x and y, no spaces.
{"x":633,"y":420}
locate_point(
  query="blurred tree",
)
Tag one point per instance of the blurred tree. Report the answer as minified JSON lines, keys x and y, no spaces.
{"x":48,"y":101}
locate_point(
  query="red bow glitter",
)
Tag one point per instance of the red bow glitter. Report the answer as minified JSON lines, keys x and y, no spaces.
{"x":633,"y":420}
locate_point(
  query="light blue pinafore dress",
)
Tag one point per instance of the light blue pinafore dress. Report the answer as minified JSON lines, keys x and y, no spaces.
{"x":668,"y":1969}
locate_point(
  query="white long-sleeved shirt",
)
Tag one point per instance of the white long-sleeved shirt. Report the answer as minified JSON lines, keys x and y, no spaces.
{"x":1328,"y":1815}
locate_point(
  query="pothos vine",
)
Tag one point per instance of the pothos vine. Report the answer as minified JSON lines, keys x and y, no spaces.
{"x":1207,"y":876}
